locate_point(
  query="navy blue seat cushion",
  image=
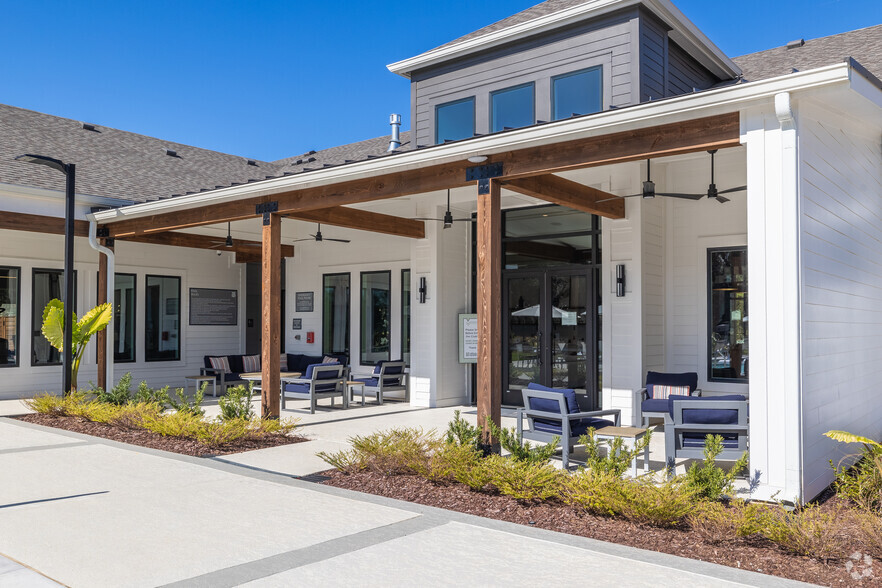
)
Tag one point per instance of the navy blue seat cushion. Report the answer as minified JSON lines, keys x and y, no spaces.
{"x":663,"y":379}
{"x":322,"y":375}
{"x":655,"y":405}
{"x":374,"y":382}
{"x":304,"y":388}
{"x":577,"y":428}
{"x":696,"y":440}
{"x":707,"y":416}
{"x":397,"y":369}
{"x":552,"y":405}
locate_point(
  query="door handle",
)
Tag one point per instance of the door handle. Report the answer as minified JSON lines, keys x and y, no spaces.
{"x":539,"y":346}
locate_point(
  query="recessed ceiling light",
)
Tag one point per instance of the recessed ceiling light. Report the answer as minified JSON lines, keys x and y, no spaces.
{"x":478,"y":158}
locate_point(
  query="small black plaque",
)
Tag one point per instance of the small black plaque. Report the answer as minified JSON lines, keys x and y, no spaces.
{"x":209,"y":306}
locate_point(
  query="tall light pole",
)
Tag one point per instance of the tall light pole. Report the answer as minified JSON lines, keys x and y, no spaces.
{"x":69,"y":170}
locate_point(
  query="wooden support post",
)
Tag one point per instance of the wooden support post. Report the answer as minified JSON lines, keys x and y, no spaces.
{"x":489,"y":254}
{"x":271,"y":307}
{"x":101,"y":337}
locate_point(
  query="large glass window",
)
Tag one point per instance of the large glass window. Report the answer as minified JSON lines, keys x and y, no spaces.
{"x":375,"y":316}
{"x":162,"y":320}
{"x":405,"y":316}
{"x":10,"y":297}
{"x":48,"y":284}
{"x":579,"y":92}
{"x":512,"y":108}
{"x":335,"y":314}
{"x":124,"y":318}
{"x":727,"y":314}
{"x":549,"y":236}
{"x":455,"y":120}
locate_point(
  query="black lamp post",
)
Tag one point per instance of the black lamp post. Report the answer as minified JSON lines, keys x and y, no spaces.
{"x":69,"y":170}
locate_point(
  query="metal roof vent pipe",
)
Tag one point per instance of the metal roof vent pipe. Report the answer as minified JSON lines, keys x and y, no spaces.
{"x":395,"y":121}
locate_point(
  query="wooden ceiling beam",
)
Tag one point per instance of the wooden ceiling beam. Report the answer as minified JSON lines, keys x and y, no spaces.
{"x":551,"y":188}
{"x":175,"y":239}
{"x":36,"y":223}
{"x":364,"y":220}
{"x":716,"y":132}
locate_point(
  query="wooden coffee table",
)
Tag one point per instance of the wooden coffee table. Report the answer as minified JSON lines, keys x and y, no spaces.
{"x":197,"y":381}
{"x":629,"y":436}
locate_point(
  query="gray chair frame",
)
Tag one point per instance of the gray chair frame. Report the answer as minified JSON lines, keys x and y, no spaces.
{"x":223,"y":384}
{"x":382,"y":387}
{"x":676,"y":428}
{"x":567,"y":439}
{"x":339,"y":389}
{"x":642,"y":418}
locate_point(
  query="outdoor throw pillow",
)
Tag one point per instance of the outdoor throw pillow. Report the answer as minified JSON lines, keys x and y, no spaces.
{"x":660,"y":392}
{"x":329,"y":359}
{"x":251,"y":363}
{"x":220,"y":363}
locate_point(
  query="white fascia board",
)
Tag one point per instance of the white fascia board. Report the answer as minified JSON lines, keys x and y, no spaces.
{"x":684,"y":32}
{"x":689,"y":106}
{"x":866,"y":88}
{"x":49,"y":194}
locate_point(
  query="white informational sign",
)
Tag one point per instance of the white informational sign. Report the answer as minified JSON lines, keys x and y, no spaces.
{"x":468,"y":338}
{"x":569,"y":318}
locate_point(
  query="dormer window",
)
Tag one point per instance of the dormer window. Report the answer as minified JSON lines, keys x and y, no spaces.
{"x":455,"y":120}
{"x":578,"y":92}
{"x":512,"y":108}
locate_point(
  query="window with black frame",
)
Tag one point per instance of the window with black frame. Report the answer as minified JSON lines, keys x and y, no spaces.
{"x":405,"y":316}
{"x":335,"y":314}
{"x":124,"y":318}
{"x":455,"y":120}
{"x":162,"y":318}
{"x":578,"y":92}
{"x":728,"y":356}
{"x":375,"y":317}
{"x":10,"y":300}
{"x":47,"y":285}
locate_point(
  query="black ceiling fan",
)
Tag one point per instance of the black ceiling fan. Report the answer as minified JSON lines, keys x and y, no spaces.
{"x":448,"y":219}
{"x":317,"y":237}
{"x":228,"y":242}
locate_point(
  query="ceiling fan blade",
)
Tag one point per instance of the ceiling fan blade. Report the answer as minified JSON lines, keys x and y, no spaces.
{"x":465,"y":220}
{"x":681,"y":195}
{"x":722,"y":199}
{"x":730,"y":190}
{"x":440,"y":220}
{"x":620,"y":197}
{"x":304,"y":239}
{"x":337,"y":240}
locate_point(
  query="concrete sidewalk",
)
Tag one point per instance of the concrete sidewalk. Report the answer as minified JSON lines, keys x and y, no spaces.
{"x":90,"y":512}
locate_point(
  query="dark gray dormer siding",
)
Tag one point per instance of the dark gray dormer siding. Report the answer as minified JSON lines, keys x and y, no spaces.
{"x":632,"y":47}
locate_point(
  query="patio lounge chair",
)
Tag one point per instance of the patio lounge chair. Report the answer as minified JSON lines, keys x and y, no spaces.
{"x":652,"y":401}
{"x":321,"y":380}
{"x":693,"y":419}
{"x":388,"y":376}
{"x":224,"y":376}
{"x":553,"y":412}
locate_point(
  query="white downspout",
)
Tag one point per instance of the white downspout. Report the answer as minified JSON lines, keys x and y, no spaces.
{"x":93,"y":241}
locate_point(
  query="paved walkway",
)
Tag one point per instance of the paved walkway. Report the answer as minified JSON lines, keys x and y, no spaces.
{"x":91,"y":512}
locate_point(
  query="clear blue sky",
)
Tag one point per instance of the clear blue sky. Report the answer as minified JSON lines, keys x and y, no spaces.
{"x":274,"y":78}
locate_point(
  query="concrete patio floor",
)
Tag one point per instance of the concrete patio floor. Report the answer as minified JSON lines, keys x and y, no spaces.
{"x":91,"y":512}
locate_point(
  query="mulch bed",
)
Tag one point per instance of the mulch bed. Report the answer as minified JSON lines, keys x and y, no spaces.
{"x":156,"y":441}
{"x":757,"y":556}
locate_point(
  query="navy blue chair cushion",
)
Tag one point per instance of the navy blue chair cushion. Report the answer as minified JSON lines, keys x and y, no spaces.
{"x":655,"y":405}
{"x":707,"y":416}
{"x":662,"y":379}
{"x":322,"y":375}
{"x":236,"y":364}
{"x":552,"y":405}
{"x":577,"y":428}
{"x":392,"y":370}
{"x":304,"y":388}
{"x":374,"y":382}
{"x":298,"y":362}
{"x":698,"y":440}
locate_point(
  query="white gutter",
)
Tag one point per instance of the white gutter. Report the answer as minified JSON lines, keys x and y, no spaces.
{"x":111,"y":268}
{"x":684,"y":33}
{"x":686,"y":107}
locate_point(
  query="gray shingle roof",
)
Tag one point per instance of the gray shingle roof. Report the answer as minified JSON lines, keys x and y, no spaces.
{"x":113,"y":163}
{"x":864,"y":45}
{"x":343,"y":154}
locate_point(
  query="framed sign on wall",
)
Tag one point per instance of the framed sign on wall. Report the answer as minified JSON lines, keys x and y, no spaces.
{"x":303,"y":302}
{"x":468,"y":338}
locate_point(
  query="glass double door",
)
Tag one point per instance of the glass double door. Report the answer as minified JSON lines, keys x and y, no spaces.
{"x":549,"y":333}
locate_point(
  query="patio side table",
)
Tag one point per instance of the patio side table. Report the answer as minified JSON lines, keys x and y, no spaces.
{"x":197,"y":381}
{"x":629,"y":436}
{"x":350,"y":389}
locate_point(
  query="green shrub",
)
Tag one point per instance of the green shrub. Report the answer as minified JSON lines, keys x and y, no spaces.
{"x":119,"y":394}
{"x":47,"y":404}
{"x":396,"y":451}
{"x":870,"y":533}
{"x":861,"y":483}
{"x":617,"y":459}
{"x":717,"y":523}
{"x":236,"y":403}
{"x":710,"y":481}
{"x":214,"y":433}
{"x":145,"y":395}
{"x":508,"y":440}
{"x":523,"y":480}
{"x":808,"y":531}
{"x":460,"y":432}
{"x":456,"y":462}
{"x":180,"y":402}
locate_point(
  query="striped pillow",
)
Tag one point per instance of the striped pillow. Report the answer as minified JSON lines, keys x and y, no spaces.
{"x":220,"y":363}
{"x":662,"y":392}
{"x":251,"y":363}
{"x":329,"y":359}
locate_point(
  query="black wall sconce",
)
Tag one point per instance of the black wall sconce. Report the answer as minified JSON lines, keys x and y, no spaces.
{"x":620,"y":280}
{"x":422,"y":290}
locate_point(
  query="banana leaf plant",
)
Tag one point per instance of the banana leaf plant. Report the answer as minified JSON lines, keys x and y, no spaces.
{"x":92,"y":322}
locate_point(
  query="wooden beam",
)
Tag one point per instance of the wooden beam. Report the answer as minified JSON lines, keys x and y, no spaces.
{"x":364,"y":220}
{"x":101,"y":337}
{"x":175,"y":239}
{"x":271,"y":302}
{"x":571,"y":194}
{"x":717,"y":132}
{"x":489,"y":284}
{"x":35,"y":223}
{"x":548,"y":251}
